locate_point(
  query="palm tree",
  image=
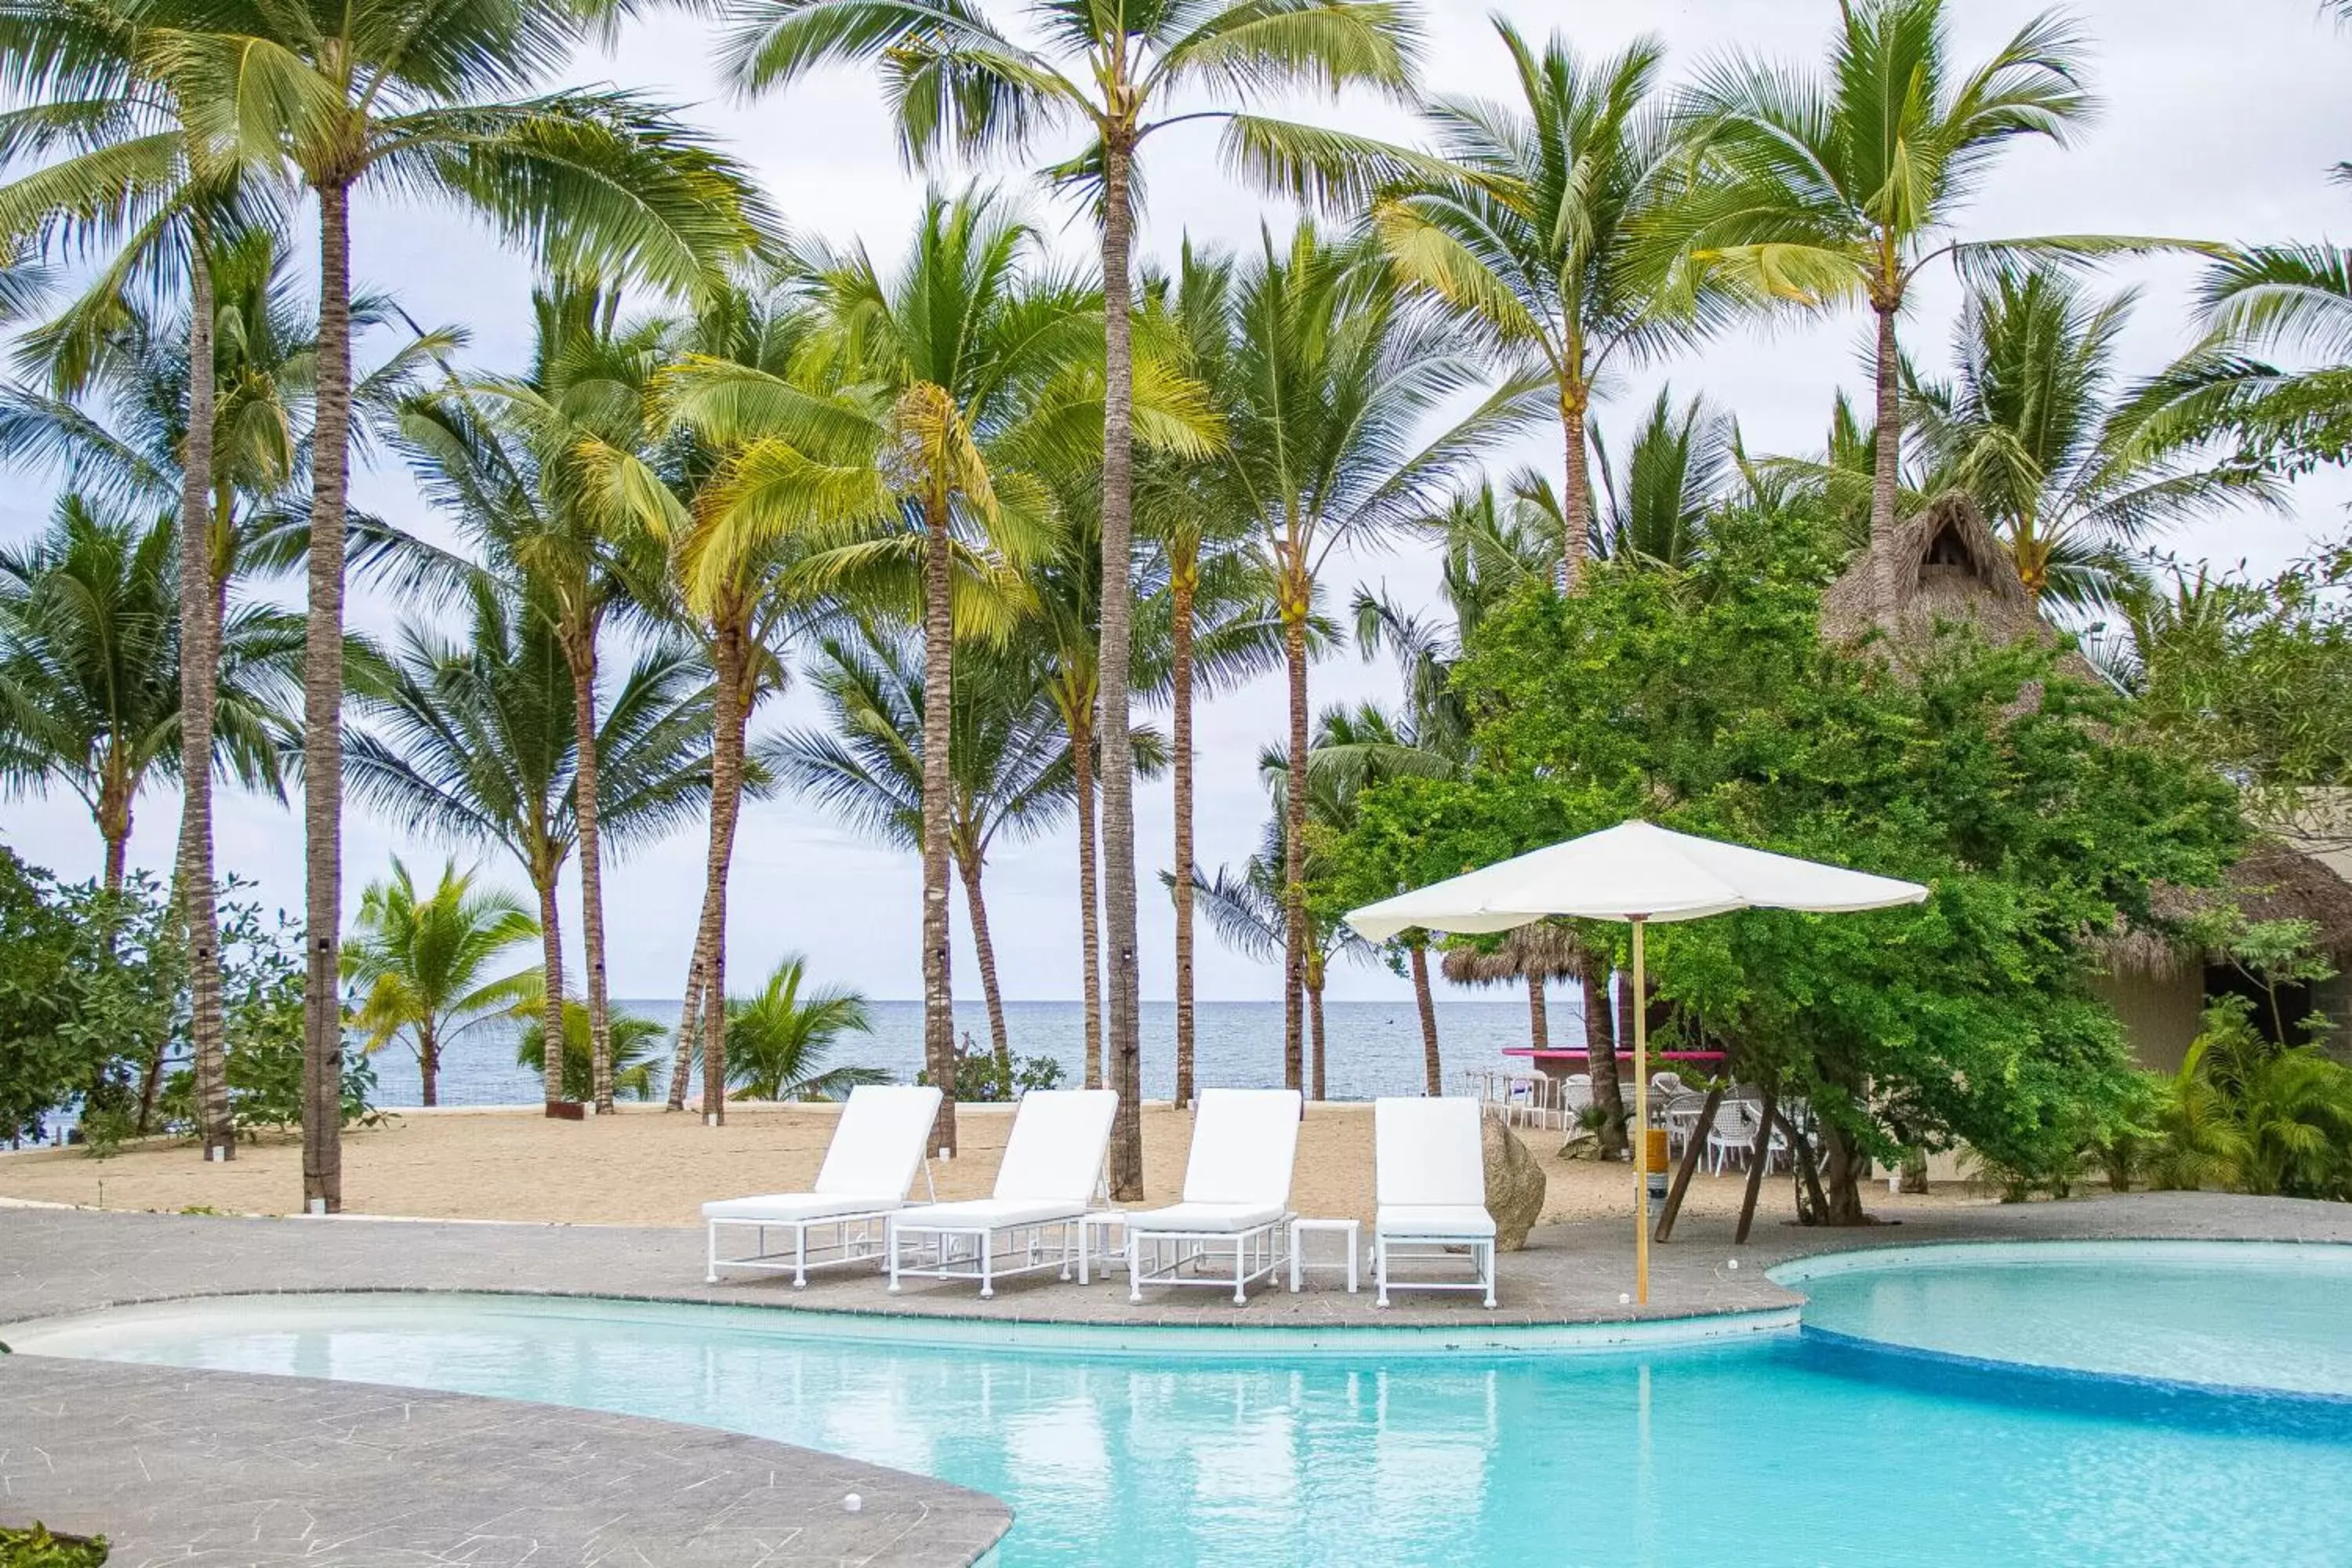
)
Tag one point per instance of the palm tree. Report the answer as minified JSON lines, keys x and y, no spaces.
{"x":1325,"y":378}
{"x":89,"y":671}
{"x":1818,"y":190}
{"x":434,"y":102}
{"x":1535,"y":235}
{"x":2072,"y":477}
{"x":473,"y":741}
{"x":955,"y":80}
{"x":635,"y":1043}
{"x":1675,"y":471}
{"x":422,"y":962}
{"x":1010,"y":767}
{"x":778,"y":1040}
{"x":502,"y":455}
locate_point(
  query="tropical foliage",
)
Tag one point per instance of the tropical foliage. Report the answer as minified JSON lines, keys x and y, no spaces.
{"x":419,"y":963}
{"x":781,"y":1039}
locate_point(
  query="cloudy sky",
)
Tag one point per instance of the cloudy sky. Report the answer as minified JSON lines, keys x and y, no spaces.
{"x":2220,"y":122}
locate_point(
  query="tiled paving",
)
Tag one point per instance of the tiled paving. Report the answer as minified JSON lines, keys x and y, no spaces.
{"x":185,"y":1466}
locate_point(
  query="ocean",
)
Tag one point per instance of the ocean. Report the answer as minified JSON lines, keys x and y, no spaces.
{"x":1374,"y":1047}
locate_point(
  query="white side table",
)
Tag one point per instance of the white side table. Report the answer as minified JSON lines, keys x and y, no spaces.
{"x":1094,"y":1242}
{"x":1302,"y":1228}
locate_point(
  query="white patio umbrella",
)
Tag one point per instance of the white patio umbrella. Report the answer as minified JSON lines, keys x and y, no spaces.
{"x":1637,"y":872}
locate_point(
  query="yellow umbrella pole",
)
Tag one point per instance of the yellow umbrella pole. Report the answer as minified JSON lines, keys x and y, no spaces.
{"x":1641,"y":1124}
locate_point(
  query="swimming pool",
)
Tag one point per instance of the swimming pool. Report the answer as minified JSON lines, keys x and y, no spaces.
{"x":1791,"y":1448}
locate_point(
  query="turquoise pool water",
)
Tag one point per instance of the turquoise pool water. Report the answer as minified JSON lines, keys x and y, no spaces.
{"x":1794,"y":1448}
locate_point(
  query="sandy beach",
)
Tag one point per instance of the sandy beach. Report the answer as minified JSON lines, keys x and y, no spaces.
{"x":644,"y":1166}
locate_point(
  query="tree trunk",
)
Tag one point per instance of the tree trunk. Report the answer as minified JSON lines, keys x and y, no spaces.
{"x":1184,"y":581}
{"x":1842,"y":1162}
{"x":1432,"y":1068}
{"x":1758,"y":1158}
{"x":322,"y":708}
{"x":550,"y":1006}
{"x":1692,"y":1151}
{"x":114,"y":828}
{"x":1082,"y":760}
{"x":580,"y":654}
{"x":200,"y":590}
{"x":1118,"y":736}
{"x":1888,"y":471}
{"x":1000,"y":1040}
{"x":1315,"y":1019}
{"x":938,"y":677}
{"x":1576,"y":502}
{"x":1600,"y":1057}
{"x":1538,"y":1015}
{"x":428,"y":1066}
{"x":730,"y":711}
{"x":1297,"y":602}
{"x":690,"y":1023}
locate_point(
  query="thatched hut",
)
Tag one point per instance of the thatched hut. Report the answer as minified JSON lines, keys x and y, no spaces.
{"x":1533,"y":956}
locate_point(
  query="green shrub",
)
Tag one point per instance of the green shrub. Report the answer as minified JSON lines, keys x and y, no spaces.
{"x":36,"y":1548}
{"x":980,"y":1081}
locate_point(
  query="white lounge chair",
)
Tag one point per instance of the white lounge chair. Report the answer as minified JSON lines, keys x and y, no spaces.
{"x":876,"y":1146}
{"x":1053,"y":1168}
{"x":1429,"y":1181}
{"x":1236,"y":1201}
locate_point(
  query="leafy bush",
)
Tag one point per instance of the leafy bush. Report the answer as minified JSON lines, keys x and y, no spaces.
{"x":36,"y":1548}
{"x":2251,"y":1116}
{"x":980,"y":1080}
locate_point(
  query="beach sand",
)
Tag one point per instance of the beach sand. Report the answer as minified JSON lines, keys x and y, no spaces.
{"x":644,"y":1166}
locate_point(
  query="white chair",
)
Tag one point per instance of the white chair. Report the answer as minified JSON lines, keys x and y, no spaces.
{"x":1679,"y":1116}
{"x":1429,"y":1180}
{"x":1053,"y":1168}
{"x":1236,"y":1201}
{"x":877,"y":1147}
{"x":1732,"y":1139}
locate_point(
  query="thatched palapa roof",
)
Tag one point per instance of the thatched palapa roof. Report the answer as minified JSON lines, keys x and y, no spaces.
{"x":1546,"y":951}
{"x":2272,"y":880}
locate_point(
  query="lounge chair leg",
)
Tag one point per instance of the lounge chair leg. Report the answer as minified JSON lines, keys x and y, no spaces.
{"x":890,"y":1242}
{"x":799,"y":1256}
{"x":987,"y":1265}
{"x":1134,"y":1268}
{"x":1489,"y":1271}
{"x":1381,"y":1271}
{"x":710,"y":1255}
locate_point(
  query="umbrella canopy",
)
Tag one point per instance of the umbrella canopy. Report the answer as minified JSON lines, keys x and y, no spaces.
{"x":1637,"y":870}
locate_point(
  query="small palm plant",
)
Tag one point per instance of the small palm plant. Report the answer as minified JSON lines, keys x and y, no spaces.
{"x":636,"y":1051}
{"x":780,"y":1043}
{"x":420,"y":963}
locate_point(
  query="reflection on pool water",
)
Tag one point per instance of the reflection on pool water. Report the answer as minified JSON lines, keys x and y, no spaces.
{"x":1789,"y":1449}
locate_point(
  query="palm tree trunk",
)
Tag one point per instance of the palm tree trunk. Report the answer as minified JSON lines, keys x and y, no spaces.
{"x":1118,"y":738}
{"x":1295,"y":601}
{"x":114,"y":828}
{"x":199,"y":656}
{"x":1538,"y":1019}
{"x":580,"y":654}
{"x":1082,"y":760}
{"x":1576,"y":503}
{"x":1600,"y":1056}
{"x":551,"y":1009}
{"x":1000,"y":1040}
{"x":1184,"y":583}
{"x":1315,"y":1018}
{"x":1889,"y":456}
{"x":939,"y":676}
{"x":730,"y":713}
{"x":1432,"y":1068}
{"x":689,"y":1018}
{"x":323,"y":710}
{"x":429,"y":1064}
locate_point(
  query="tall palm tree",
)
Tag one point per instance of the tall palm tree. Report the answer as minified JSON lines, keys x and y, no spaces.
{"x":958,"y":82}
{"x":1536,"y":235}
{"x":2073,"y":476}
{"x":438,"y":102}
{"x":89,"y":671}
{"x":781,"y":1039}
{"x":1327,"y":376}
{"x":472,"y":741}
{"x":502,"y":454}
{"x":422,"y":963}
{"x":1816,"y":190}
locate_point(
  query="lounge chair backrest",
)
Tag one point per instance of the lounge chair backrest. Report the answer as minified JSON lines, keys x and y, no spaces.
{"x":877,"y":1145}
{"x":1243,"y":1142}
{"x":1056,"y":1152}
{"x":1428,"y":1153}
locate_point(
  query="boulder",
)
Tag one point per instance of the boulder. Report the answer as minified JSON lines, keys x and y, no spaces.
{"x":1514,"y":1185}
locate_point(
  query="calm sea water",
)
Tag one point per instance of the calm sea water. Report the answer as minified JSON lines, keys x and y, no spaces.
{"x":1374,"y":1047}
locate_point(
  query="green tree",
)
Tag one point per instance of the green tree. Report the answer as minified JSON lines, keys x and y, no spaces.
{"x":956,"y":81}
{"x":472,"y":741}
{"x":781,"y":1043}
{"x":89,"y":671}
{"x":421,"y":964}
{"x":1676,"y":469}
{"x":632,"y":1068}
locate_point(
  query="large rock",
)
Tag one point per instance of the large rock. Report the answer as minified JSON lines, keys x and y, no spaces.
{"x":1514,"y":1185}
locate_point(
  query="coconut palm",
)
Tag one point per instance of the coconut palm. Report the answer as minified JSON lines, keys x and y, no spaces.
{"x":422,"y":963}
{"x":1676,"y":470}
{"x":957,"y":81}
{"x":502,"y":455}
{"x":1816,"y":190}
{"x":1537,"y":236}
{"x":472,"y":741}
{"x":780,"y":1041}
{"x":436,"y":102}
{"x":2074,"y":477}
{"x":1326,"y":378}
{"x":635,"y":1043}
{"x":89,"y":671}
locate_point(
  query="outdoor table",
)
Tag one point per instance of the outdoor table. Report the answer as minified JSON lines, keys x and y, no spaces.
{"x":1301,"y":1228}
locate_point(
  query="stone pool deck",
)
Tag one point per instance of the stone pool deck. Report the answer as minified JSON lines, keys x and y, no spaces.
{"x":200,"y":1467}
